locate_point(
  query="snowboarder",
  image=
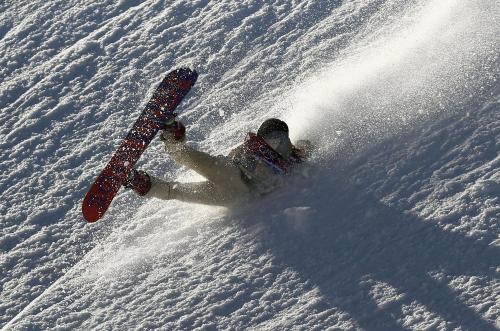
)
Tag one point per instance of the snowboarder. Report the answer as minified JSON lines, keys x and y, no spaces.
{"x":230,"y":179}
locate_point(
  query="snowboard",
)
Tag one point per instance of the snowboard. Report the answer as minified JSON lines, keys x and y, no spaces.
{"x":158,"y":110}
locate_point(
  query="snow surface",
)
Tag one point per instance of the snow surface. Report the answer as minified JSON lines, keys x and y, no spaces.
{"x":394,"y":224}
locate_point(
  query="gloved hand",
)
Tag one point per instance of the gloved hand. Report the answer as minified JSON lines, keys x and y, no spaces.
{"x":173,"y":132}
{"x":303,"y":149}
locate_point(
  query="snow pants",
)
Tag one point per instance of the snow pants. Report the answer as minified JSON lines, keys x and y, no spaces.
{"x":224,"y":185}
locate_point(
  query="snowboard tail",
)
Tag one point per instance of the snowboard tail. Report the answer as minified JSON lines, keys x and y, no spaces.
{"x":158,"y":110}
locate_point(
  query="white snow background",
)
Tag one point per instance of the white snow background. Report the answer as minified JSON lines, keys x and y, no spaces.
{"x":394,"y":225}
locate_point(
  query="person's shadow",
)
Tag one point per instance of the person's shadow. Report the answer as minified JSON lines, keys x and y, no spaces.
{"x":345,"y":242}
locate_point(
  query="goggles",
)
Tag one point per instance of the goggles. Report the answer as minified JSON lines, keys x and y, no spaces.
{"x":280,"y":142}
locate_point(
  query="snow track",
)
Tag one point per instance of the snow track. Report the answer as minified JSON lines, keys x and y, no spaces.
{"x":394,"y":224}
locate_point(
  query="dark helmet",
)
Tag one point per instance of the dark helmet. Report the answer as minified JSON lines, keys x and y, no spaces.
{"x":272,"y":125}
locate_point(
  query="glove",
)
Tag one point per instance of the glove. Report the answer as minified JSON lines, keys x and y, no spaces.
{"x":303,"y":149}
{"x":173,"y":132}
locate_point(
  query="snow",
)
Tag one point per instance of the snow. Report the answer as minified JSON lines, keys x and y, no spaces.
{"x":393,"y":225}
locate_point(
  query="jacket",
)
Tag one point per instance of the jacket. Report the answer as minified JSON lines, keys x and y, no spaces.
{"x":260,"y":177}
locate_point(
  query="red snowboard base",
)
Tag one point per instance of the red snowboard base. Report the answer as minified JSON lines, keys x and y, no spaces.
{"x":161,"y":107}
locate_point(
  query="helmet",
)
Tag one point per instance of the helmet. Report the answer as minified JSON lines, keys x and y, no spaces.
{"x":272,"y":125}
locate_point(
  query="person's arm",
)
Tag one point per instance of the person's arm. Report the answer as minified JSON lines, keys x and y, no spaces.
{"x":234,"y":152}
{"x":303,"y":149}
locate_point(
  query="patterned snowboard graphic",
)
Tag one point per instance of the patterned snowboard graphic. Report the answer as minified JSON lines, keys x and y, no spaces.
{"x":161,"y":107}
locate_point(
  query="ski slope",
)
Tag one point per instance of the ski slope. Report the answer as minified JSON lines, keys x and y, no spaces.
{"x":394,"y":224}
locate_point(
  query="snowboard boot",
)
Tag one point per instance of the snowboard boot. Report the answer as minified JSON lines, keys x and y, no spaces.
{"x":138,"y":181}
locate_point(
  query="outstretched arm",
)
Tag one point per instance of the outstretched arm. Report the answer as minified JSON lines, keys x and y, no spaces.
{"x":303,"y":149}
{"x":219,"y":170}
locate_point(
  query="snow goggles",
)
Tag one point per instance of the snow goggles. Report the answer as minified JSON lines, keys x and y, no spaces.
{"x":280,"y":142}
